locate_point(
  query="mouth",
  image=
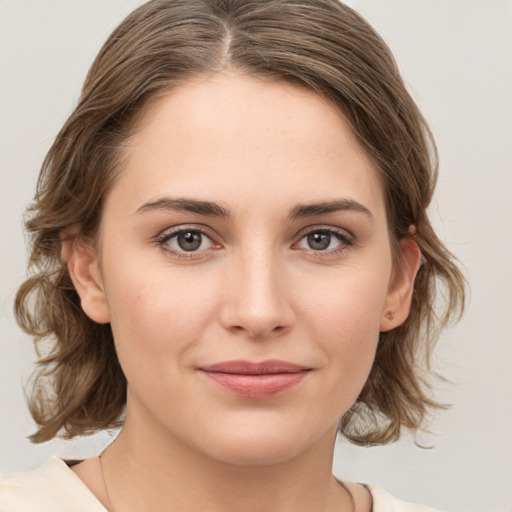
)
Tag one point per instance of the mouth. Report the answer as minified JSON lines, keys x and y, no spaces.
{"x":256,"y":380}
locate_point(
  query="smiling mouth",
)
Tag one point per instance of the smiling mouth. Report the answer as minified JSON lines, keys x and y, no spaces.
{"x":256,"y":380}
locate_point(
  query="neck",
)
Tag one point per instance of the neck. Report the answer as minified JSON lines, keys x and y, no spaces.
{"x":165,"y":474}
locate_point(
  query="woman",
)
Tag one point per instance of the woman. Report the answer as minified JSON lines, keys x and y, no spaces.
{"x":233,"y":255}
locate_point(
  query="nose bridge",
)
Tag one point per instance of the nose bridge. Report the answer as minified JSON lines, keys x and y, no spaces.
{"x":256,"y":294}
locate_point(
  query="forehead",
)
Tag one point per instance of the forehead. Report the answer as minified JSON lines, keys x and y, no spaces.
{"x":241,"y":137}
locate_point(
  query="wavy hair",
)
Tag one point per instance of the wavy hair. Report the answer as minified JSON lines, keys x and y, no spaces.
{"x":323,"y":45}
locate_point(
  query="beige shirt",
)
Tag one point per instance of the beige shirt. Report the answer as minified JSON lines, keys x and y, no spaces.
{"x":54,"y":487}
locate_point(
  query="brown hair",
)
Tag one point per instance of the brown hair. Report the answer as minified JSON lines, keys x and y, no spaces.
{"x":320,"y":44}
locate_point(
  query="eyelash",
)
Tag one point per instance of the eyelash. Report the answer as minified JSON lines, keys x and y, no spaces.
{"x":163,"y":239}
{"x":346,"y":242}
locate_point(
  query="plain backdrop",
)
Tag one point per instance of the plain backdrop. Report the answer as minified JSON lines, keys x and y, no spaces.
{"x":456,"y":57}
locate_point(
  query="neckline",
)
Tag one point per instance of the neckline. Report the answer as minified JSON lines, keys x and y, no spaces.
{"x":78,"y":483}
{"x":67,"y":464}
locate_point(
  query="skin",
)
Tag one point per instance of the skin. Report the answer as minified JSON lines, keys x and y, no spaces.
{"x":255,"y":289}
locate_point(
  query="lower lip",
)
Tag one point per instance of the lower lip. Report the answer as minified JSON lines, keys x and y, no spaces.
{"x":257,"y":386}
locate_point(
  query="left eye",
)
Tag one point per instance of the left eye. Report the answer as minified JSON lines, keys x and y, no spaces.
{"x":322,"y":240}
{"x":188,"y":240}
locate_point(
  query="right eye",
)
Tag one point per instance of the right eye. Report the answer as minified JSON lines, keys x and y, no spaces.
{"x":186,"y":242}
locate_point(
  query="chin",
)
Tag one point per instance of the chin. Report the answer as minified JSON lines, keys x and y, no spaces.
{"x":252,"y":446}
{"x":266,"y":453}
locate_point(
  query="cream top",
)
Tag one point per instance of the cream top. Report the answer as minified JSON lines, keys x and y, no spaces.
{"x":54,"y":487}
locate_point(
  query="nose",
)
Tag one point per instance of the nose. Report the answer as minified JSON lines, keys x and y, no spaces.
{"x":256,"y":297}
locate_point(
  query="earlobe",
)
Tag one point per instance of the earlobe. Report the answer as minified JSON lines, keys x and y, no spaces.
{"x":401,"y":286}
{"x":82,"y":262}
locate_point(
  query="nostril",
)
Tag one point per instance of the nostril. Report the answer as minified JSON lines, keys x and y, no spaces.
{"x":258,"y":332}
{"x":256,"y":311}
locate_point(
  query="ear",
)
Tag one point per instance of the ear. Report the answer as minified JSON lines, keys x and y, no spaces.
{"x":82,"y":262}
{"x":401,"y":286}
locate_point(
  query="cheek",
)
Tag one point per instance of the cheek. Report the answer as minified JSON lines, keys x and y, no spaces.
{"x":156,"y":315}
{"x":344,"y":318}
{"x":348,"y":302}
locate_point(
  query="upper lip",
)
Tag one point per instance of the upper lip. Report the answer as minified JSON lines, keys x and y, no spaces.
{"x":254,"y":368}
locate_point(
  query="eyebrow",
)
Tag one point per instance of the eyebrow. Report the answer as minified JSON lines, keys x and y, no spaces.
{"x":334,"y":206}
{"x":212,"y":209}
{"x":186,"y":205}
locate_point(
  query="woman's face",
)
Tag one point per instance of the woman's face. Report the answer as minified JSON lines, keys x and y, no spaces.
{"x":245,"y":268}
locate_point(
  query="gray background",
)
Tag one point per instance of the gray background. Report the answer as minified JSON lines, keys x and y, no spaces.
{"x":456,"y":56}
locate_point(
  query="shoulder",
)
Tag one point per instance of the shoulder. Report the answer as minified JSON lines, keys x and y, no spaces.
{"x":52,"y":487}
{"x":383,"y":501}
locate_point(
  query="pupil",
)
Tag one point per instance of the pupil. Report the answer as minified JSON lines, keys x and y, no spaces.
{"x":189,"y":241}
{"x":319,"y":241}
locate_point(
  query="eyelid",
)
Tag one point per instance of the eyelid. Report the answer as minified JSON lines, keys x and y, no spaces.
{"x":165,"y":235}
{"x":347,"y":239}
{"x":343,"y":232}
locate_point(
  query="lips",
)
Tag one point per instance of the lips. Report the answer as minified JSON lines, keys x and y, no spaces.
{"x":256,"y":380}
